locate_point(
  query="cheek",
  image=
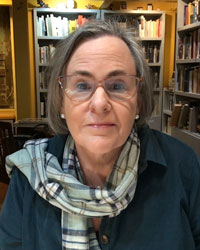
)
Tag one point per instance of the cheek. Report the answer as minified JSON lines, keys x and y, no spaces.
{"x":127,"y":116}
{"x":67,"y":110}
{"x":74,"y":114}
{"x":134,"y":107}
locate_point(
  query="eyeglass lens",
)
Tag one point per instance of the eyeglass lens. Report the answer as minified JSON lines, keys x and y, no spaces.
{"x":80,"y":87}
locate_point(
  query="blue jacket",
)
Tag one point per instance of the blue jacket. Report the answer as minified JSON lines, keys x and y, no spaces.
{"x":164,"y":214}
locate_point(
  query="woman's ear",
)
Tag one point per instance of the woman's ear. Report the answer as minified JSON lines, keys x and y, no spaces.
{"x":62,"y":113}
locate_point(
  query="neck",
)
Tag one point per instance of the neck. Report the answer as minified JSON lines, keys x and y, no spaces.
{"x":96,"y":167}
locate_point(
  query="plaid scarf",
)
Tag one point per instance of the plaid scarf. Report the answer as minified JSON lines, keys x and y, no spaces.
{"x":63,"y":187}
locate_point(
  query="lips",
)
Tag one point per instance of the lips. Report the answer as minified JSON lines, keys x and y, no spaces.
{"x":102,"y":125}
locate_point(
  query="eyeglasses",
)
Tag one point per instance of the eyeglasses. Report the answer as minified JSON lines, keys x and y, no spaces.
{"x":81,"y":88}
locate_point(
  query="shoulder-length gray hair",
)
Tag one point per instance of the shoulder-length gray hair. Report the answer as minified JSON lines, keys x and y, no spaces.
{"x":65,"y":48}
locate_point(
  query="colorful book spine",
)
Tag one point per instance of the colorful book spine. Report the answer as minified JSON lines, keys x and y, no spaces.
{"x":149,"y":28}
{"x":58,"y":26}
{"x":189,"y":46}
{"x":189,"y":79}
{"x":191,"y":12}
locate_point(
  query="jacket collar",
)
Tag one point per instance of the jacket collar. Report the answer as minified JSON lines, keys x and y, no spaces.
{"x":150,"y":150}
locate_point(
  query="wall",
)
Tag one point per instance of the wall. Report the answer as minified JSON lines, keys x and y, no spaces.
{"x":79,"y":4}
{"x":5,"y":2}
{"x":32,"y":64}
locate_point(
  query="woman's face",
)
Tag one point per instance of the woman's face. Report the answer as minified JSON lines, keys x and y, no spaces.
{"x":100,"y":125}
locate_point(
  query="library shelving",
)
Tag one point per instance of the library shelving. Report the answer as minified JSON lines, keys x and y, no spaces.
{"x":168,"y":103}
{"x":150,"y":26}
{"x":50,"y":26}
{"x":187,"y":71}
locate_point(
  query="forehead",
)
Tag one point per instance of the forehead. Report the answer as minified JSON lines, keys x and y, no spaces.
{"x":106,"y":52}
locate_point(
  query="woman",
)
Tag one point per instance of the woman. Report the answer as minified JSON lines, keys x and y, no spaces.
{"x":105,"y":181}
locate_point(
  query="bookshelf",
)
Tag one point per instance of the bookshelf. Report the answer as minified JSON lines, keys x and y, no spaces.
{"x":151,"y":29}
{"x":168,"y":103}
{"x":187,"y":72}
{"x":50,"y":26}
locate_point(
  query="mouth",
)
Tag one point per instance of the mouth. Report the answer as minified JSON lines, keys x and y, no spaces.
{"x":102,"y":125}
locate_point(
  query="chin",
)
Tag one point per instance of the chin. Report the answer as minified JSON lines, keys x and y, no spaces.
{"x":102,"y":146}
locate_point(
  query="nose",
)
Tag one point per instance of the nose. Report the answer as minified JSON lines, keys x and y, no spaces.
{"x":100,"y":102}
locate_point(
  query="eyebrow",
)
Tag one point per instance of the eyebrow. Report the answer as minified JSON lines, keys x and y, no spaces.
{"x":110,"y":74}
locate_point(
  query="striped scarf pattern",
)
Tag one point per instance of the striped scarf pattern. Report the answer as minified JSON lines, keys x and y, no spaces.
{"x":63,"y":187}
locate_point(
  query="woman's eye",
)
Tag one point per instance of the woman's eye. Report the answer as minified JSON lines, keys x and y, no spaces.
{"x":117,"y":86}
{"x":83,"y":86}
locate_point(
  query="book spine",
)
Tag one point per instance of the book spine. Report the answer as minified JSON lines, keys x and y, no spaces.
{"x":191,"y":12}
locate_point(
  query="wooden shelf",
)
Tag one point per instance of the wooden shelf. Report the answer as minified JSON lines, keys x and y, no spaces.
{"x":50,"y":37}
{"x":167,"y":112}
{"x":7,"y":114}
{"x":189,"y":27}
{"x":149,"y":39}
{"x":43,"y":90}
{"x":154,"y":64}
{"x":186,"y":61}
{"x":156,"y":90}
{"x":65,"y":11}
{"x":187,"y":94}
{"x":43,"y":64}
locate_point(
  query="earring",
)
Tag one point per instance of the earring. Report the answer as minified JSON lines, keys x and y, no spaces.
{"x":62,"y":116}
{"x":137,"y":117}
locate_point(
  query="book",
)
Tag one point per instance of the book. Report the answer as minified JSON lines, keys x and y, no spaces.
{"x":149,"y":28}
{"x":186,"y":79}
{"x":180,"y":78}
{"x":190,"y":80}
{"x":2,"y":71}
{"x":155,"y":54}
{"x":185,"y":14}
{"x":180,"y":49}
{"x":194,"y":44}
{"x":198,"y":43}
{"x":183,"y":117}
{"x":188,"y":47}
{"x":198,"y":81}
{"x":191,"y":12}
{"x":2,"y":56}
{"x":195,"y":80}
{"x":192,"y":123}
{"x":175,"y":115}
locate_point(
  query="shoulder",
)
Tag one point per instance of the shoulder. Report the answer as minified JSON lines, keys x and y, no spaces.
{"x":168,"y":145}
{"x":179,"y":160}
{"x":165,"y":150}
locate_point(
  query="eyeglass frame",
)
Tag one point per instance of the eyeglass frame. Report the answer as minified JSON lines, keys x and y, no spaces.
{"x":98,"y":84}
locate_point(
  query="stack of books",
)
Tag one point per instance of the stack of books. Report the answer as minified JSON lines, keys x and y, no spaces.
{"x":189,"y":79}
{"x":58,"y":26}
{"x":149,"y":28}
{"x":192,"y":12}
{"x":189,"y":46}
{"x":186,"y":116}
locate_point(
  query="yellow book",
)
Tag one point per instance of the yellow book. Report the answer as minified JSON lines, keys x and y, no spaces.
{"x":72,"y":26}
